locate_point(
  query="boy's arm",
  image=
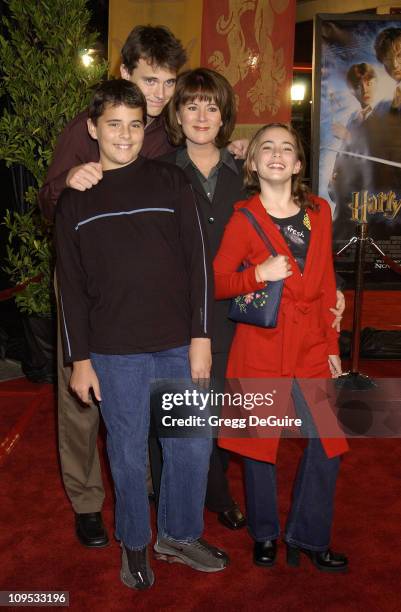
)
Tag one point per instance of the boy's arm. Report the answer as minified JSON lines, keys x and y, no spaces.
{"x":199,"y":266}
{"x":335,"y":366}
{"x":338,"y":309}
{"x":73,"y":301}
{"x":71,"y":279}
{"x":74,"y":148}
{"x":83,"y":379}
{"x":200,"y":358}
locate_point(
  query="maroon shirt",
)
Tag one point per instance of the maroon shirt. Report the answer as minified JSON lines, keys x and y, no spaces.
{"x":75,"y":147}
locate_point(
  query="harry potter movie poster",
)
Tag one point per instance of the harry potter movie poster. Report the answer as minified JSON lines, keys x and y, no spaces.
{"x":357,"y":136}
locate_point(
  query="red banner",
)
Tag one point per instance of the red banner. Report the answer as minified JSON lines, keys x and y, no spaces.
{"x":251,"y":42}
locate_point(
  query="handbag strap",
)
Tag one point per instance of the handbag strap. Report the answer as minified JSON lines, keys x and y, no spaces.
{"x":259,"y":230}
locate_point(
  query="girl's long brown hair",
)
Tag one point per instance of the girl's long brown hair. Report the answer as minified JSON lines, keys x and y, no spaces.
{"x":300,"y":192}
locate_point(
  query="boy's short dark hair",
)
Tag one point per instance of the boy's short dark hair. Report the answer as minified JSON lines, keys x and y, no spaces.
{"x":385,"y":40}
{"x":116,"y":92}
{"x":202,"y":84}
{"x":155,"y":44}
{"x":357,"y":72}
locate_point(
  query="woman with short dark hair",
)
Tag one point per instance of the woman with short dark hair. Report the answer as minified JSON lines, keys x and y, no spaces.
{"x":201,"y":118}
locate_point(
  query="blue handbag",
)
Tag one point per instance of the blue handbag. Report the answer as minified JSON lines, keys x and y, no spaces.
{"x":260,"y":307}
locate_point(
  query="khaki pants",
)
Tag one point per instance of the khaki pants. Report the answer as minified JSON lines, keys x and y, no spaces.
{"x":78,"y":427}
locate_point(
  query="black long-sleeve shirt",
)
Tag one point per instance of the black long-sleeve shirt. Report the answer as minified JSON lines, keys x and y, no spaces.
{"x":132,"y":263}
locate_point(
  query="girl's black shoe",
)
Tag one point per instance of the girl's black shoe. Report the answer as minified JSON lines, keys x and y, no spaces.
{"x":325,"y":561}
{"x":264,"y":553}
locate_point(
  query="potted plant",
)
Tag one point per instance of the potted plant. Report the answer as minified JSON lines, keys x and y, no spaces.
{"x":44,"y":83}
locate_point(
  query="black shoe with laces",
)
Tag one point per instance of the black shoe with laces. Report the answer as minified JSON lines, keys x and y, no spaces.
{"x":199,"y":554}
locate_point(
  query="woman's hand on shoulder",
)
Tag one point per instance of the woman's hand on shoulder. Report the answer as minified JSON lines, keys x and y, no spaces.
{"x":238,"y":148}
{"x":335,"y":366}
{"x":273,"y":269}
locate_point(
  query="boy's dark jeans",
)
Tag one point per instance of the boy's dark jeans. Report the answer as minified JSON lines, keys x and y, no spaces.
{"x":124,"y":383}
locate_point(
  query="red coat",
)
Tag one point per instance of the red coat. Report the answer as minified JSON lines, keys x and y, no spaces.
{"x":300,"y":344}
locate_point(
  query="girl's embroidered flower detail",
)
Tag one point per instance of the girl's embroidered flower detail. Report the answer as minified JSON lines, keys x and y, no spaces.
{"x":257,"y":300}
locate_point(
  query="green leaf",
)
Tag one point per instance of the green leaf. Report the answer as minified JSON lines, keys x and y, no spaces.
{"x":46,"y":86}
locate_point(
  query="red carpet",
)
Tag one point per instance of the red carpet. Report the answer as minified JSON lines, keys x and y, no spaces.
{"x":39,"y":550}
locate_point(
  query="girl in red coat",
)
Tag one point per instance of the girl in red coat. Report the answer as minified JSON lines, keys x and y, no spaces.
{"x":303,"y":345}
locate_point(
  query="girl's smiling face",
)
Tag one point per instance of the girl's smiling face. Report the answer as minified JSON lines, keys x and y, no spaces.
{"x":276,"y":157}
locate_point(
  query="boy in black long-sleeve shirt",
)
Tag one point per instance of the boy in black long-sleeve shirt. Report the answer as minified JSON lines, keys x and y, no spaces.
{"x":136,"y":296}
